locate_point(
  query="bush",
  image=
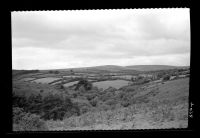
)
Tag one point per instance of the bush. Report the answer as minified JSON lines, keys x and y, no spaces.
{"x":27,"y":122}
{"x":50,"y":107}
{"x":125,"y":103}
{"x":141,"y":99}
{"x":62,"y":87}
{"x":84,"y":109}
{"x":167,"y":77}
{"x":163,"y":113}
{"x":93,"y":102}
{"x":129,"y":89}
{"x":19,"y":100}
{"x":111,"y":102}
{"x":18,"y":113}
{"x":85,"y":83}
{"x":110,"y":89}
{"x":75,"y":95}
{"x":56,"y":72}
{"x":104,"y":107}
{"x":106,"y":96}
{"x":90,"y":96}
{"x":57,"y":107}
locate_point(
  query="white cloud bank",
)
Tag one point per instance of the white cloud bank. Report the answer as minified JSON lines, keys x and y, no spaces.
{"x":65,"y":39}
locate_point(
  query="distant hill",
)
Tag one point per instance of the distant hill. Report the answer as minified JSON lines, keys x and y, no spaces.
{"x":112,"y":68}
{"x":115,"y":68}
{"x":153,"y":67}
{"x":104,"y":68}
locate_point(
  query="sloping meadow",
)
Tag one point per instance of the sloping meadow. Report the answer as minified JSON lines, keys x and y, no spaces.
{"x":154,"y":114}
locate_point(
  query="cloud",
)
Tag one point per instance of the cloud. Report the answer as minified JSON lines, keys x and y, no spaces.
{"x":47,"y":39}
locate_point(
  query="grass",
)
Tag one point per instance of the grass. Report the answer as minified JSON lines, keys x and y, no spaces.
{"x":113,"y":83}
{"x":157,"y":113}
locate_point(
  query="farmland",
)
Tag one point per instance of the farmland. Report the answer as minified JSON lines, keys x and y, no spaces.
{"x":105,"y":98}
{"x":113,"y":83}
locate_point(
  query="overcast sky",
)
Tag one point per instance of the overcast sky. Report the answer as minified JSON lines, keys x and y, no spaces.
{"x":67,"y":39}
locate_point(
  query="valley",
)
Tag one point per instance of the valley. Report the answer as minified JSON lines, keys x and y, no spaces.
{"x":108,"y":99}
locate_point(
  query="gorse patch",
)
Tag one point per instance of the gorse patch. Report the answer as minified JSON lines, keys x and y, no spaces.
{"x":23,"y":121}
{"x":50,"y":107}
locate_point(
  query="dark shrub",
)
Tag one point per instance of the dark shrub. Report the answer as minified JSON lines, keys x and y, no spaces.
{"x":27,"y":122}
{"x":18,"y":113}
{"x":166,"y":77}
{"x":50,"y":107}
{"x":110,"y":89}
{"x":141,"y":99}
{"x":104,"y":107}
{"x":55,"y":107}
{"x":90,"y":96}
{"x":111,"y":102}
{"x":93,"y":102}
{"x":129,"y":89}
{"x":84,"y":109}
{"x":19,"y":100}
{"x":62,"y":87}
{"x":125,"y":103}
{"x":50,"y":71}
{"x":75,"y":95}
{"x":85,"y":83}
{"x":56,"y":72}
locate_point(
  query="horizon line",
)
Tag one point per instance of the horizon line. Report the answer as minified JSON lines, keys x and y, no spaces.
{"x":108,"y":65}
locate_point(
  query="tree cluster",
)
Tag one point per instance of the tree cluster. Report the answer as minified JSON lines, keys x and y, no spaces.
{"x":85,"y":84}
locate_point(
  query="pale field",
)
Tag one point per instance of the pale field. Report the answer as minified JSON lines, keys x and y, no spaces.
{"x":46,"y":80}
{"x":70,"y":83}
{"x":112,"y":83}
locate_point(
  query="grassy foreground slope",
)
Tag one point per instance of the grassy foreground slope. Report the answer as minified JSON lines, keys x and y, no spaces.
{"x":154,"y":106}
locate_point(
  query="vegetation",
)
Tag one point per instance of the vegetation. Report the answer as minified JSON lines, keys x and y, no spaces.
{"x":23,"y":72}
{"x":54,"y":72}
{"x":23,"y":121}
{"x":166,"y":77}
{"x":83,"y":106}
{"x":85,"y":84}
{"x":50,"y":107}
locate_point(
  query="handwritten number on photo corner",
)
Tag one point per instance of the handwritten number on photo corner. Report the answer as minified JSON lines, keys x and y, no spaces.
{"x":190,"y":111}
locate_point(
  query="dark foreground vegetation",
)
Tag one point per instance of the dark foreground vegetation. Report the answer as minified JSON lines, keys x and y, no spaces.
{"x":36,"y":109}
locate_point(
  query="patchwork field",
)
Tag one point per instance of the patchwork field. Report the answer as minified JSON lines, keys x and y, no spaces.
{"x":27,"y":79}
{"x":112,"y":83}
{"x":70,"y":83}
{"x":46,"y":80}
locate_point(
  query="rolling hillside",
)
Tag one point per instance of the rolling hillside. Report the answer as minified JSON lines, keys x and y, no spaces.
{"x":114,"y":68}
{"x":163,"y":106}
{"x":152,"y":67}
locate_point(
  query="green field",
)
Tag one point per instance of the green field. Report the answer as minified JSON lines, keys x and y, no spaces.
{"x":46,"y":80}
{"x":112,"y":83}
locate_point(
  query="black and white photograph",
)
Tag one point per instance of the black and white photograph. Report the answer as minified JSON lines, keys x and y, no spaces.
{"x":119,"y":69}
